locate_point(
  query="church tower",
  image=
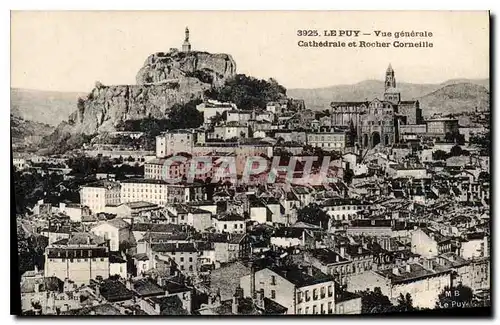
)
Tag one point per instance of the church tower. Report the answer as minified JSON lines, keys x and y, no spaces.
{"x":186,"y":47}
{"x":390,"y":80}
{"x":391,"y":93}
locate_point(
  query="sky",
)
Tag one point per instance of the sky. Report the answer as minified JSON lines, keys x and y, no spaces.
{"x":70,"y":51}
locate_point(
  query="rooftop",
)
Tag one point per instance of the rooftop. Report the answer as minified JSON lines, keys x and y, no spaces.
{"x":114,"y":290}
{"x":301,"y":278}
{"x":415,"y":272}
{"x":327,"y":256}
{"x":147,"y":288}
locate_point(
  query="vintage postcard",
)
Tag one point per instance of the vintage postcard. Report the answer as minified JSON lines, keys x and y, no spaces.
{"x":251,"y":163}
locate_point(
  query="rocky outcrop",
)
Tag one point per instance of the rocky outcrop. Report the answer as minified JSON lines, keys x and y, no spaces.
{"x":164,"y":80}
{"x":214,"y":68}
{"x":107,"y":107}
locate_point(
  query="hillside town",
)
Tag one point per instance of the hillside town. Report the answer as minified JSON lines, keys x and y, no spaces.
{"x":363,"y":207}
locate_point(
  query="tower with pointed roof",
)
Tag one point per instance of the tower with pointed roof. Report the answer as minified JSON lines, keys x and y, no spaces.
{"x":391,"y":93}
{"x":186,"y":46}
{"x":390,"y":79}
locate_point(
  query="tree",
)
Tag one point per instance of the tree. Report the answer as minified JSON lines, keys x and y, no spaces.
{"x":185,"y":116}
{"x":455,"y":137}
{"x":405,"y":302}
{"x":313,"y":214}
{"x":484,"y":176}
{"x":455,"y":297}
{"x":481,"y":140}
{"x":248,"y":92}
{"x":348,"y":176}
{"x":375,"y":302}
{"x":456,"y":151}
{"x":439,"y":155}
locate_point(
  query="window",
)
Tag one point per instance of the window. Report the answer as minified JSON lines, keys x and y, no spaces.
{"x":307,"y":310}
{"x":273,"y":294}
{"x":330,"y":291}
{"x":323,"y":292}
{"x":273,"y":280}
{"x":299,"y":297}
{"x":330,"y":310}
{"x":190,"y":259}
{"x":322,"y":309}
{"x":307,"y":295}
{"x":315,"y":294}
{"x":182,"y":267}
{"x":225,"y":226}
{"x":190,"y":267}
{"x":315,"y":309}
{"x":182,"y":259}
{"x":299,"y":311}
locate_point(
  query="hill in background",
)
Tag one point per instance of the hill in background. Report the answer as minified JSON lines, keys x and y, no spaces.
{"x":455,"y":98}
{"x":25,"y":133}
{"x":50,"y":107}
{"x":320,"y":98}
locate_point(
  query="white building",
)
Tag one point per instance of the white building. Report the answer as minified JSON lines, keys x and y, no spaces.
{"x":210,"y":108}
{"x":75,"y":211}
{"x":79,"y":259}
{"x":230,"y":131}
{"x":423,"y":282}
{"x":229,"y":223}
{"x":173,"y":142}
{"x":115,"y":230}
{"x":148,"y":190}
{"x":300,"y":291}
{"x":328,"y":140}
{"x":238,"y":115}
{"x":99,"y":194}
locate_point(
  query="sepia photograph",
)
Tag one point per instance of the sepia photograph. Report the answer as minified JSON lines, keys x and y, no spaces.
{"x":250,"y":163}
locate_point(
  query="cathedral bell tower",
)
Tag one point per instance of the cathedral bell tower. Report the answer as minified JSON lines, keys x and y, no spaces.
{"x":390,"y":80}
{"x":391,"y":93}
{"x":186,"y":46}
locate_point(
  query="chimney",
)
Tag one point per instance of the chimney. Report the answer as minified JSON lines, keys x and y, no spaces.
{"x":234,"y":306}
{"x":157,"y":309}
{"x":395,"y":271}
{"x":337,"y":257}
{"x":36,"y":268}
{"x":128,"y":284}
{"x":260,"y":299}
{"x":309,"y":270}
{"x":342,"y":251}
{"x":428,"y":265}
{"x":217,"y":298}
{"x":360,"y":250}
{"x":98,"y":290}
{"x":252,"y":282}
{"x":408,"y":268}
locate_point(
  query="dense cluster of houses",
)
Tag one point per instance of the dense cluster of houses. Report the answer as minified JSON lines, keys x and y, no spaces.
{"x":412,"y":217}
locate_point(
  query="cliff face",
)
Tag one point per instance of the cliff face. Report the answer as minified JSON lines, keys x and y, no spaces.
{"x":164,"y":80}
{"x":214,"y":68}
{"x":106,"y":107}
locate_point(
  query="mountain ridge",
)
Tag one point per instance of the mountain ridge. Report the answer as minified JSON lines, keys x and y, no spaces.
{"x":320,"y":98}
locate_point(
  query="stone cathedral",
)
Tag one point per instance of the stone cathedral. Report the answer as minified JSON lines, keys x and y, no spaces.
{"x":377,"y":121}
